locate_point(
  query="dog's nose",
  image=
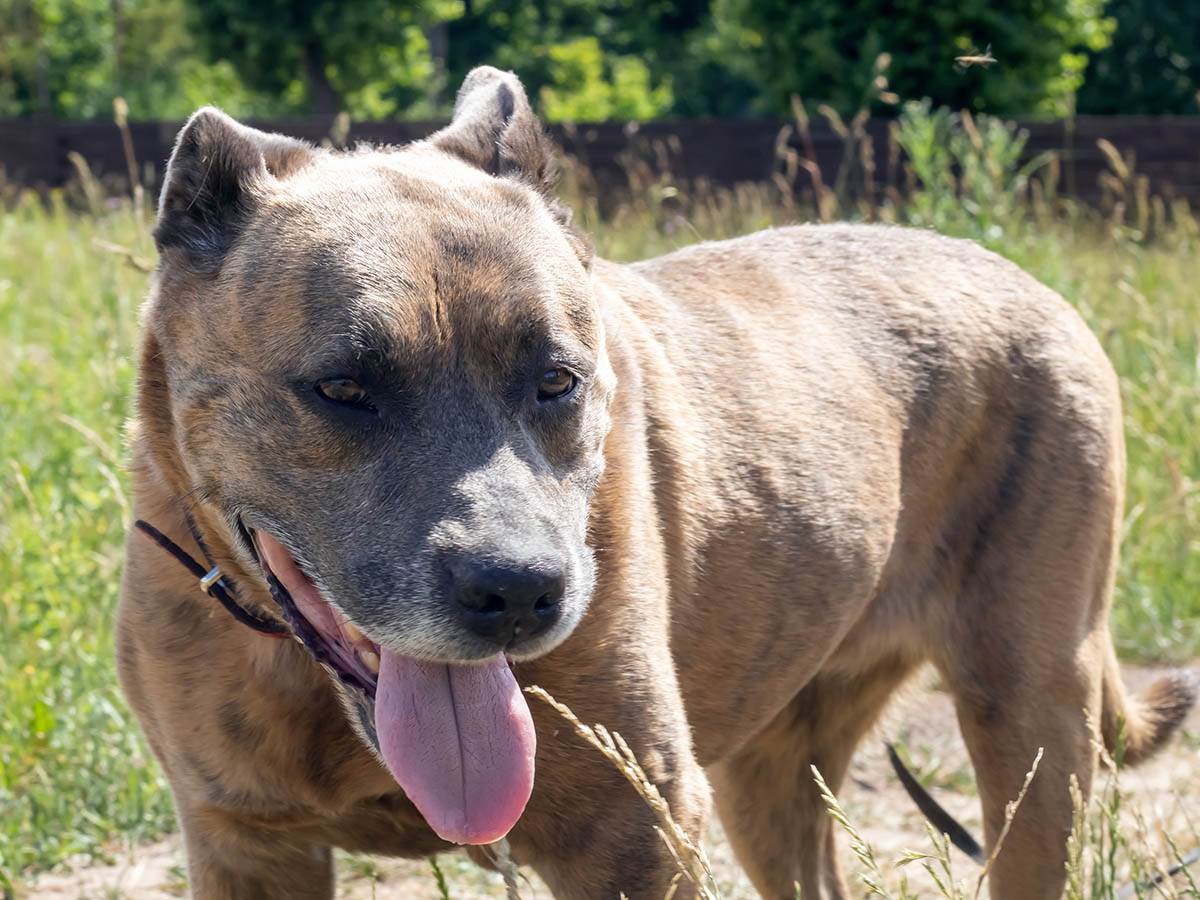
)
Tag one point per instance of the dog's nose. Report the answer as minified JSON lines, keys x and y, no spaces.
{"x":508,"y":603}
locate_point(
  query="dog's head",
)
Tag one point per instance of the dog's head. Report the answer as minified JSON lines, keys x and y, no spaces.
{"x":387,"y":371}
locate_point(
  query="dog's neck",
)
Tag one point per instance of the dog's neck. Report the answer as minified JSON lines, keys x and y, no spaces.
{"x":167,"y":498}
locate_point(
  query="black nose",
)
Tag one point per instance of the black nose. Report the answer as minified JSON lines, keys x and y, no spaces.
{"x":508,"y":603}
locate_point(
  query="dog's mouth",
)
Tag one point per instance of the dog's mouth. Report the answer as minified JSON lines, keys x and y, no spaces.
{"x":457,"y":737}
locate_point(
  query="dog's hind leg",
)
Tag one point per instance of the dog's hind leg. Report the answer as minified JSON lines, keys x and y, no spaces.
{"x":1060,"y":710}
{"x":231,"y":862}
{"x":1010,"y":705}
{"x":765,"y":794}
{"x":1024,"y":654}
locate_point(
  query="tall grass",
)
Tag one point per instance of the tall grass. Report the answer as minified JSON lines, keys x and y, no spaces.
{"x":73,"y":771}
{"x":75,"y":777}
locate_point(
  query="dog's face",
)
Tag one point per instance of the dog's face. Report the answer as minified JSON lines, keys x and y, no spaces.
{"x":389,"y":367}
{"x":386,"y":372}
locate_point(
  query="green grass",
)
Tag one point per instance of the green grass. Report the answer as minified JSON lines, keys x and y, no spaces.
{"x":73,"y":771}
{"x":75,"y":777}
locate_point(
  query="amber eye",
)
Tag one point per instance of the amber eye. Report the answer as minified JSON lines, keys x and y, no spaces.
{"x":555,"y":384}
{"x":345,"y":392}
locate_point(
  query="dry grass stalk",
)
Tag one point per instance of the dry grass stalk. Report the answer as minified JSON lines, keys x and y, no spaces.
{"x":803,"y":126}
{"x":339,"y":132}
{"x":501,"y":854}
{"x":121,"y":116}
{"x":834,"y":118}
{"x":972,"y":132}
{"x":93,"y":192}
{"x":131,"y":257}
{"x":870,"y":191}
{"x":827,"y":201}
{"x":824,"y":199}
{"x":26,"y":493}
{"x":872,"y":876}
{"x":1116,"y":162}
{"x":1075,"y":842}
{"x":688,"y":855}
{"x":1010,"y":813}
{"x":942,"y":875}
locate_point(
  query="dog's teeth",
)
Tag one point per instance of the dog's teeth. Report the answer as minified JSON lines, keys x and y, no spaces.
{"x":370,"y":659}
{"x":350,"y":630}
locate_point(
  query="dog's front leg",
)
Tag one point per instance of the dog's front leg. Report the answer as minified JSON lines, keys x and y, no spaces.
{"x":228,"y":860}
{"x":587,"y":831}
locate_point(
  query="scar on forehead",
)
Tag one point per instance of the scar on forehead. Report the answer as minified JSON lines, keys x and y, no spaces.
{"x":441,"y":322}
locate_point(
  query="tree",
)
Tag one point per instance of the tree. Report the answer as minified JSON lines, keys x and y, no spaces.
{"x":583,"y":59}
{"x":370,"y":57}
{"x":591,"y":59}
{"x":72,"y":57}
{"x":53,"y":56}
{"x":1153,"y":64}
{"x":823,"y":50}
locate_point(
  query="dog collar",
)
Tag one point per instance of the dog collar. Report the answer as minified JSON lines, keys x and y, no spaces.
{"x":212,"y":581}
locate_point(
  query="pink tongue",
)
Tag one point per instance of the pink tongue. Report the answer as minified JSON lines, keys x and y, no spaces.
{"x":460,"y":741}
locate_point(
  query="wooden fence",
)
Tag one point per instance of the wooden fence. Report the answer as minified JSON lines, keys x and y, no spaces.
{"x":35,"y":152}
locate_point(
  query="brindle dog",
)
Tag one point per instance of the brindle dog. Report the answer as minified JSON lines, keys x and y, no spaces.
{"x":724,"y":502}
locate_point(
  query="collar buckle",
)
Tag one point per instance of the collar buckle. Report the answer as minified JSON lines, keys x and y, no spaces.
{"x":211,"y":577}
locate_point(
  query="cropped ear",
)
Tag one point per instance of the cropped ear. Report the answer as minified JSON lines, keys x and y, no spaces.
{"x":495,"y":129}
{"x":211,"y":179}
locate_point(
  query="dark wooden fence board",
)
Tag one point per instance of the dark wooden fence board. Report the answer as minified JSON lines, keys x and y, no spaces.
{"x":34,"y":152}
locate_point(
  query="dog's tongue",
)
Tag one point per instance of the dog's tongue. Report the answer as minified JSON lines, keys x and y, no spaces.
{"x":460,"y":741}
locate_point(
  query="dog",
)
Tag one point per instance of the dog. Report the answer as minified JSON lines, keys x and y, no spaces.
{"x":724,"y":502}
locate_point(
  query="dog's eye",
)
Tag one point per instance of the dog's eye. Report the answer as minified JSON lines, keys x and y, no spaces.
{"x":555,"y":384}
{"x":345,"y":392}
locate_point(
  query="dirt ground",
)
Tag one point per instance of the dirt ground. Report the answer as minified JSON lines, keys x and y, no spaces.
{"x":923,"y":721}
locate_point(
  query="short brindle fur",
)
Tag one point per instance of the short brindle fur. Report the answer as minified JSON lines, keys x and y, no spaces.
{"x":796,"y":466}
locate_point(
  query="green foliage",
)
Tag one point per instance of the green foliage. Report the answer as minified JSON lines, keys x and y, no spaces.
{"x":369,"y":57}
{"x":968,"y":171}
{"x":586,"y":59}
{"x":1153,"y":63}
{"x":72,"y":57}
{"x":73,"y":768}
{"x":54,"y":56}
{"x":593,"y":59}
{"x":580,"y":90}
{"x":823,"y":49}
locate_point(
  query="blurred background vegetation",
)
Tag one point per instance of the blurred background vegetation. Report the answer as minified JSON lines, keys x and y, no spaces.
{"x":590,"y":60}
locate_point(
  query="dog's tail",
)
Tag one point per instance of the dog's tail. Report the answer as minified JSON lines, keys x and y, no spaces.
{"x":937,"y":815}
{"x":1135,"y":728}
